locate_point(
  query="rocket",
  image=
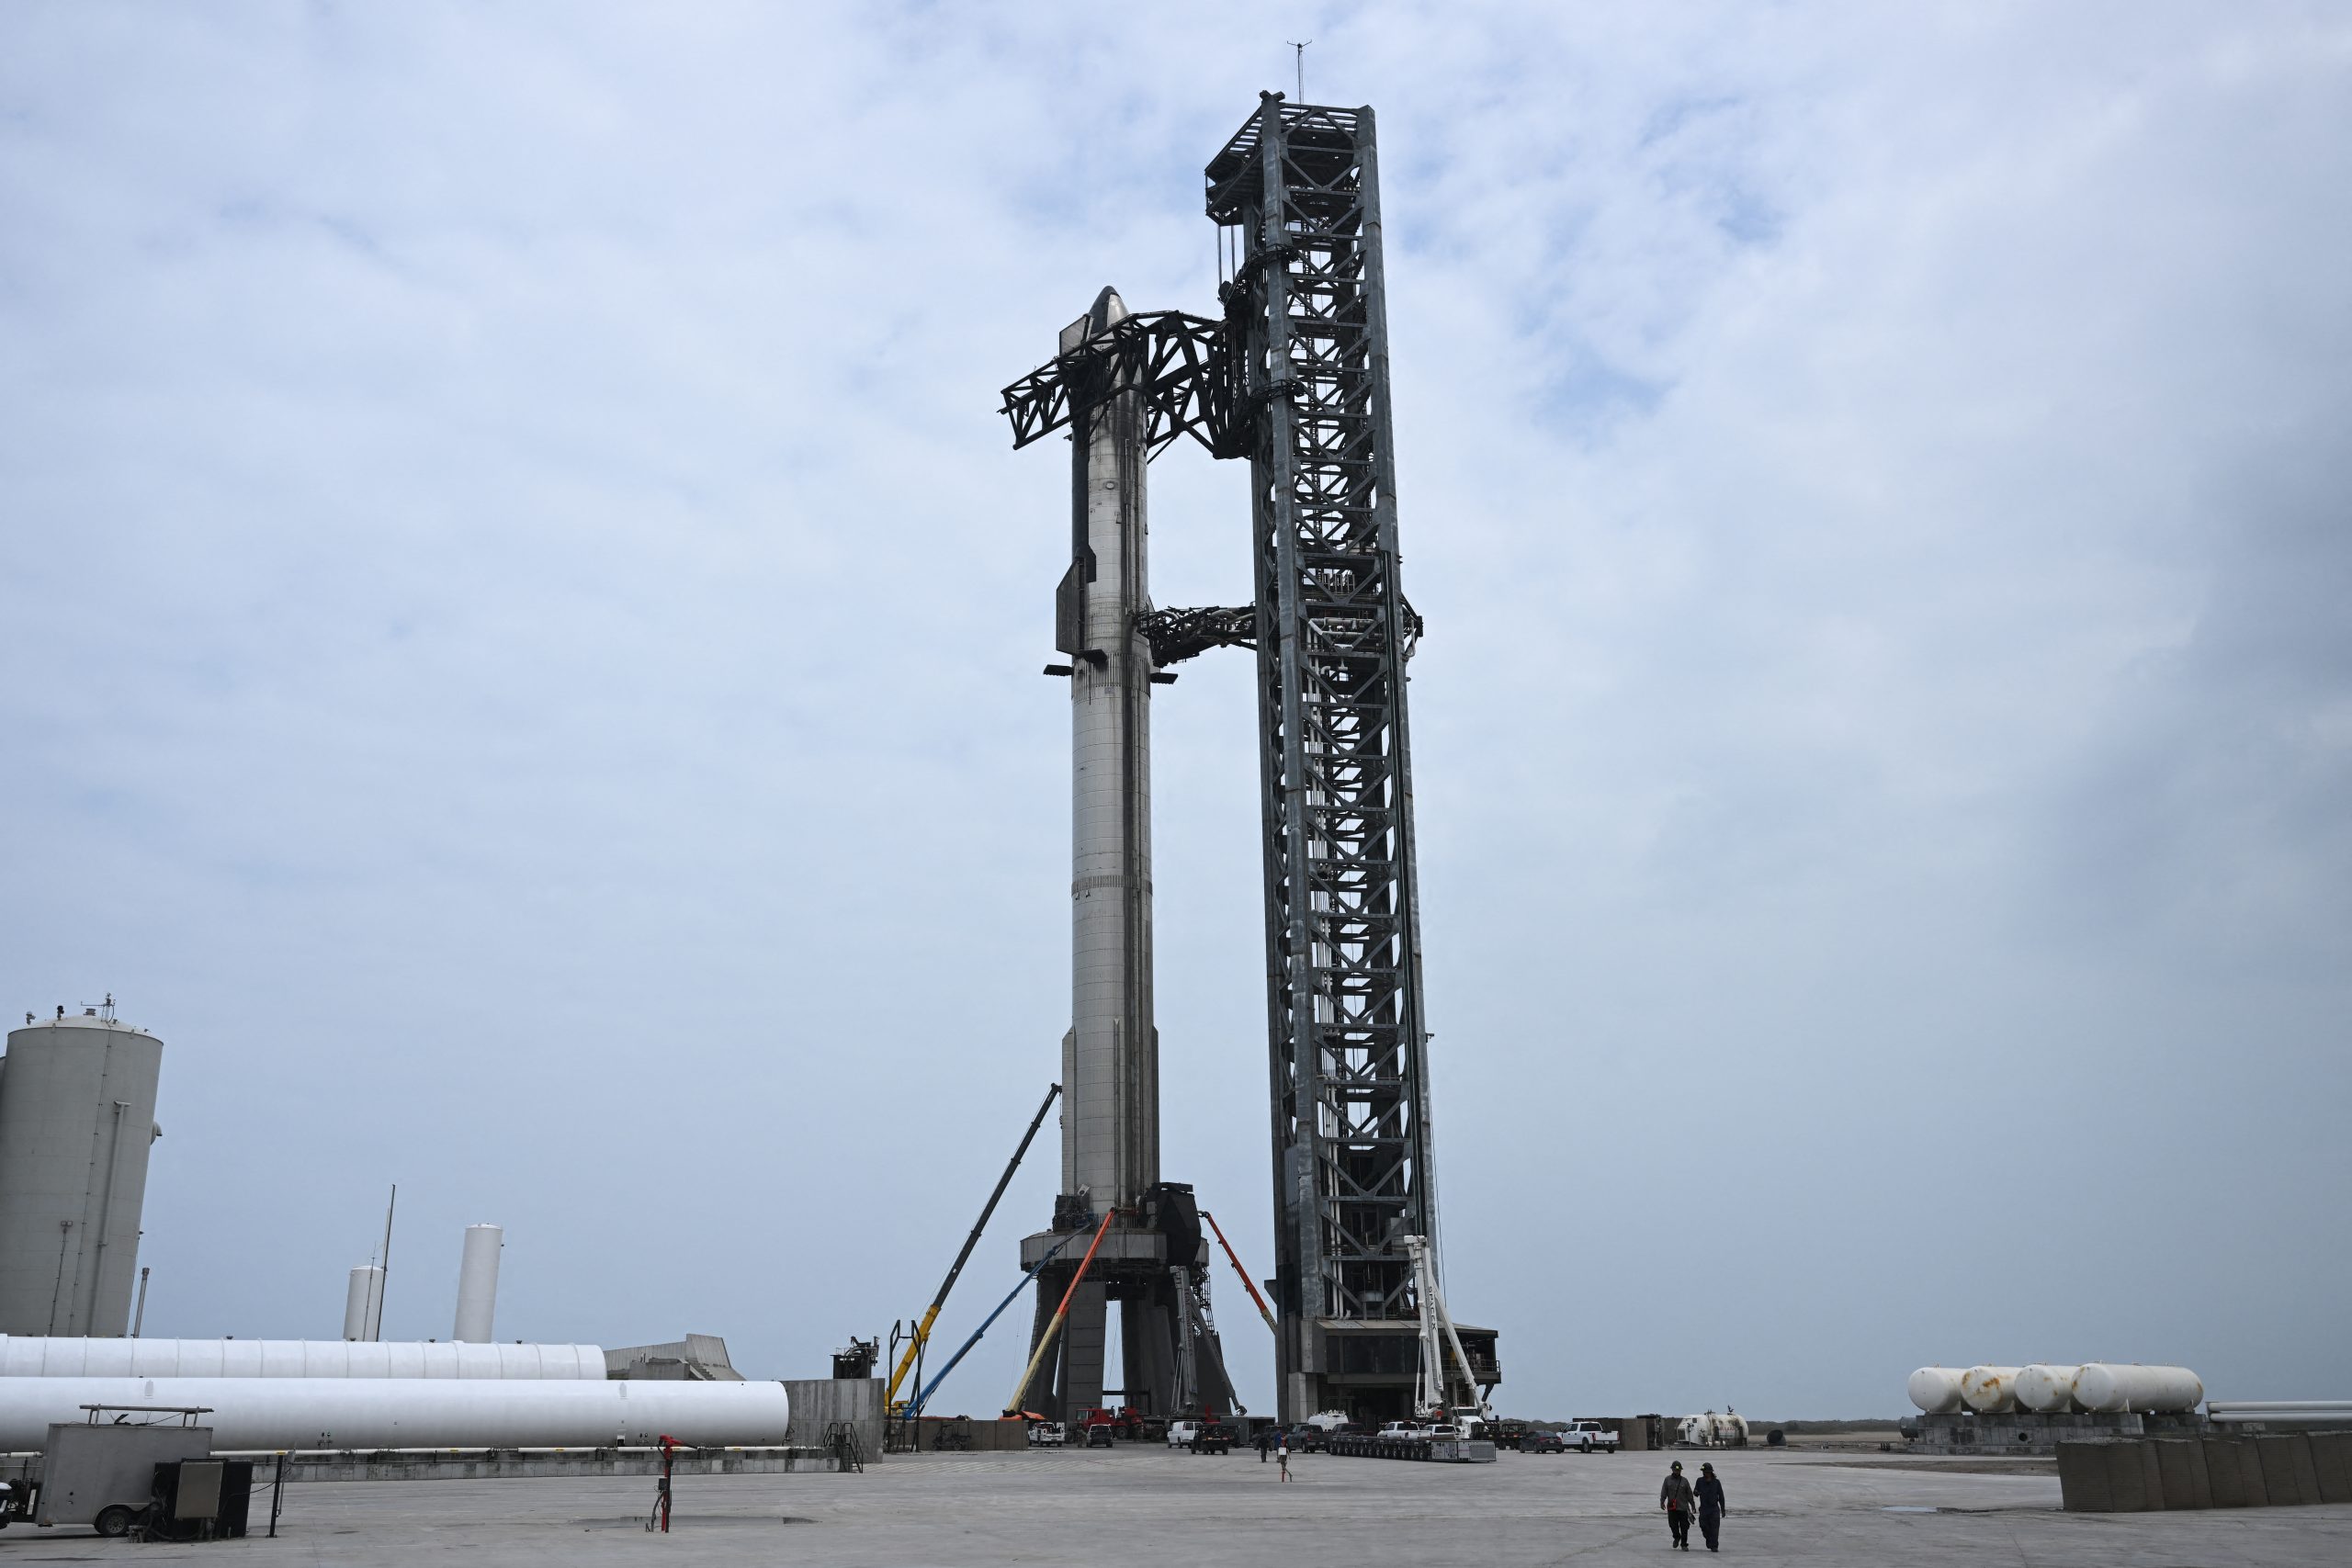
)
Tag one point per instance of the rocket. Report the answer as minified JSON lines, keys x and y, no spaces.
{"x":1111,"y":1056}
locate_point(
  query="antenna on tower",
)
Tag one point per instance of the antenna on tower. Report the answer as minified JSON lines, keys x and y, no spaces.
{"x":1298,"y":53}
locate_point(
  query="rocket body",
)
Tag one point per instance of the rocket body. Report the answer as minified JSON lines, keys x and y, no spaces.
{"x":1111,"y":1056}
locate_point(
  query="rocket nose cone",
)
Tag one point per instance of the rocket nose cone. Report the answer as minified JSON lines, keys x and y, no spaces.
{"x":1109,"y":310}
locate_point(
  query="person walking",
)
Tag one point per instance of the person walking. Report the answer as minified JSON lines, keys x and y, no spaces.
{"x":1281,"y":1455}
{"x":1674,"y":1498}
{"x":1711,"y":1505}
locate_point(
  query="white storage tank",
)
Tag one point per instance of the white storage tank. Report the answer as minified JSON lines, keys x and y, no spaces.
{"x":1936,"y":1389}
{"x":42,"y":1358}
{"x":478,"y":1283}
{"x":363,"y":1303}
{"x":2046,"y":1389}
{"x":2106,"y":1387}
{"x":77,"y":1115}
{"x":1989,"y":1391}
{"x":410,"y":1413}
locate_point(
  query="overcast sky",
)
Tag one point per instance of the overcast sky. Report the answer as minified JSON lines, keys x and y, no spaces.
{"x":519,"y":632}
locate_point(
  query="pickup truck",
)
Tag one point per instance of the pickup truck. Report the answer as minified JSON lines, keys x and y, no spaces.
{"x":1586,"y":1437}
{"x":1047,"y":1435}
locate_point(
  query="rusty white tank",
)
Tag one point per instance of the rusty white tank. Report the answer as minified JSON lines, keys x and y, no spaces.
{"x":1989,"y":1391}
{"x":2046,"y":1389}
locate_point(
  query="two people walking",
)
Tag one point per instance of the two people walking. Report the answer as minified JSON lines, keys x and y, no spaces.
{"x":1680,"y":1499}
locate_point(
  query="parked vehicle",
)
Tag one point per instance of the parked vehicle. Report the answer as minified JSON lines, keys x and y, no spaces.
{"x":1098,"y":1437}
{"x":1215,"y":1437}
{"x":1586,"y":1437}
{"x":1402,"y":1430}
{"x":1540,"y":1442}
{"x":1181,"y":1434}
{"x":1047,"y":1435}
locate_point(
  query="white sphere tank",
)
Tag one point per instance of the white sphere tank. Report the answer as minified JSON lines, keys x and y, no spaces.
{"x":1936,"y":1389}
{"x":1989,"y":1391}
{"x":2104,"y":1386}
{"x":2046,"y":1389}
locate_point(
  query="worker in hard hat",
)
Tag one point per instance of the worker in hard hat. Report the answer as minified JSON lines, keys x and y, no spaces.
{"x":1709,"y":1491}
{"x":1674,"y":1498}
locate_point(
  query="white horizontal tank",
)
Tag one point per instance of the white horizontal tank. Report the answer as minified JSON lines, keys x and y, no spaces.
{"x":23,"y":1356}
{"x":1989,"y":1391}
{"x":2107,"y":1387}
{"x":2046,"y":1389}
{"x":264,"y":1413}
{"x":1936,"y":1389}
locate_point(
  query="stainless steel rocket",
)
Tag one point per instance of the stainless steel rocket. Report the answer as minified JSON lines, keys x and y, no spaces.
{"x":1150,"y":1256}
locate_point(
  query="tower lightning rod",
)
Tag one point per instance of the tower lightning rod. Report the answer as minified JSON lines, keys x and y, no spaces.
{"x":1299,"y":51}
{"x":930,"y":1314}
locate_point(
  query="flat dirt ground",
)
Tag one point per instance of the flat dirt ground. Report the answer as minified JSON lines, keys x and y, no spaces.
{"x":1153,"y":1507}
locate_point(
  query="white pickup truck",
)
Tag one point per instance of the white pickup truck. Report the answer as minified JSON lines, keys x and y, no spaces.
{"x":1586,"y":1437}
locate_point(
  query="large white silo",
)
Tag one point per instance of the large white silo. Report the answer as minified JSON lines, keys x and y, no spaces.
{"x":77,"y":1114}
{"x":478,"y":1283}
{"x":363,"y":1303}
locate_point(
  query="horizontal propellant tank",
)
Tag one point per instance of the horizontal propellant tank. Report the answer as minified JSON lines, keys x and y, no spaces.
{"x":1988,"y":1390}
{"x":2104,"y":1386}
{"x":1936,"y":1389}
{"x":34,"y":1357}
{"x":248,"y":1415}
{"x":2046,"y":1389}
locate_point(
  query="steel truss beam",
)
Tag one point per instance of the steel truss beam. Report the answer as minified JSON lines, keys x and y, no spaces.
{"x":1178,"y":362}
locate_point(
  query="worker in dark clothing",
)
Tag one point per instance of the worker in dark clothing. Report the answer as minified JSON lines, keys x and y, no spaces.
{"x":1265,"y":1443}
{"x":1710,"y":1506}
{"x":1674,"y":1498}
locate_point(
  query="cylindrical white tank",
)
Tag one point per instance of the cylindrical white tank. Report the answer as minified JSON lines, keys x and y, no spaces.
{"x":1731,"y":1429}
{"x":262,"y":1414}
{"x":1936,"y":1389}
{"x":77,"y":1113}
{"x":2104,"y":1386}
{"x":38,"y":1358}
{"x":1988,"y":1390}
{"x":360,"y":1302}
{"x":478,"y":1283}
{"x":2046,"y":1389}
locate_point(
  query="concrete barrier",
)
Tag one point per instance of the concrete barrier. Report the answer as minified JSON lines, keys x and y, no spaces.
{"x":2236,"y":1473}
{"x":2180,"y":1464}
{"x":2267,"y":1469}
{"x":2288,"y":1472}
{"x":2082,"y":1479}
{"x":2332,"y":1461}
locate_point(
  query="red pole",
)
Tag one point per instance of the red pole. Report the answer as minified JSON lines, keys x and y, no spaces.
{"x":1054,"y":1327}
{"x":1247,"y":1283}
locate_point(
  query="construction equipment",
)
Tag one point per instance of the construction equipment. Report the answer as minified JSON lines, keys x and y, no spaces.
{"x":1247,"y":1283}
{"x":922,"y":1335}
{"x":1061,"y":1315}
{"x":923,"y":1395}
{"x":1435,"y":1396}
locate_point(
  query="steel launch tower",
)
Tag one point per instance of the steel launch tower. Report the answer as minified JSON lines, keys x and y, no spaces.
{"x":1295,"y":378}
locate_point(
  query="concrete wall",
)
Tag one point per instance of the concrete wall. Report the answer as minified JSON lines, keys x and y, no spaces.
{"x":819,"y":1402}
{"x":2271,"y":1469}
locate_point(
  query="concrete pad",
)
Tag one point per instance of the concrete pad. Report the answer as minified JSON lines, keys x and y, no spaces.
{"x":2332,"y":1458}
{"x":2287,"y":1473}
{"x":2236,"y":1473}
{"x":2180,"y":1464}
{"x":2082,"y":1479}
